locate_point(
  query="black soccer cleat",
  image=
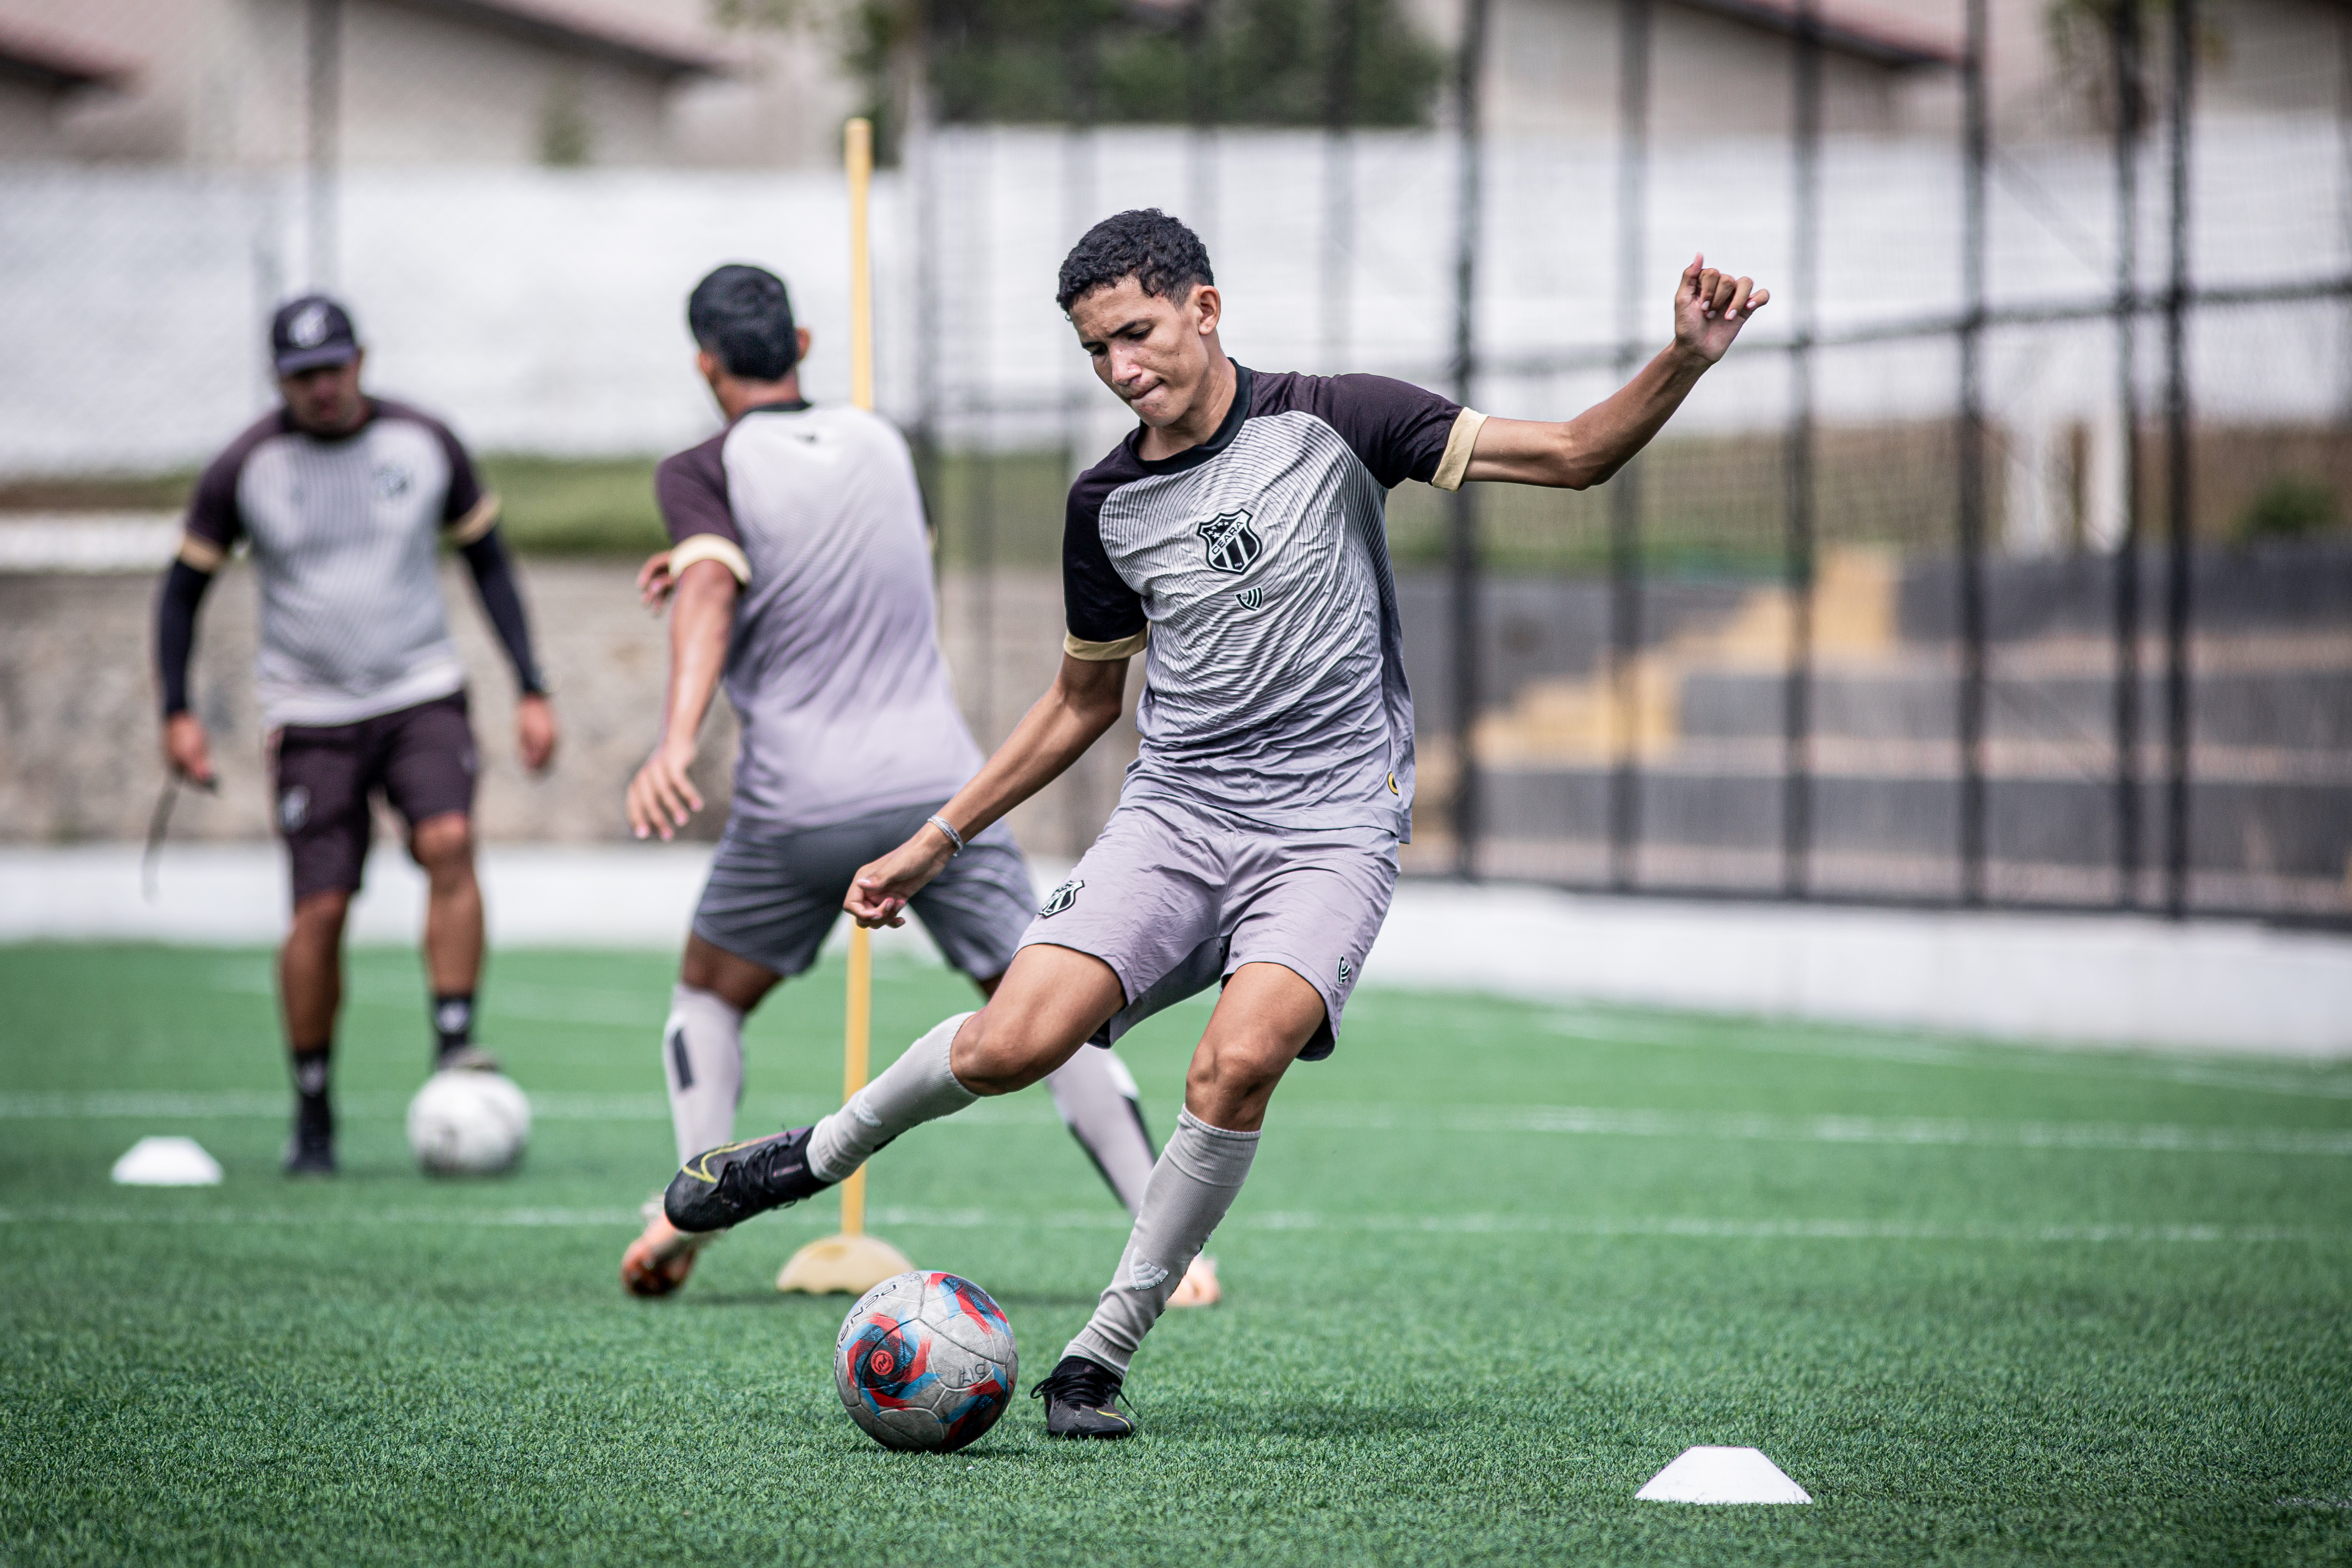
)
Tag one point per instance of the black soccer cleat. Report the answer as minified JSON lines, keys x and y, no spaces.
{"x":1079,"y":1396}
{"x":309,"y":1152}
{"x":729,"y":1185}
{"x":465,"y":1058}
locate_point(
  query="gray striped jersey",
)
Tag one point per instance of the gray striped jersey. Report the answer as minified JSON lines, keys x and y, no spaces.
{"x":1252,"y":573}
{"x":833,"y":664}
{"x":344,"y":536}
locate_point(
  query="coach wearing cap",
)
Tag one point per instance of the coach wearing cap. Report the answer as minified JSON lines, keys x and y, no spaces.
{"x":343,"y":499}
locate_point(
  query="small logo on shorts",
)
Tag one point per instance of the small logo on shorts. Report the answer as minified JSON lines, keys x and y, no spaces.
{"x":1060,"y":899}
{"x":1233,"y":543}
{"x":1345,"y":973}
{"x":1249,"y":598}
{"x":294,"y":808}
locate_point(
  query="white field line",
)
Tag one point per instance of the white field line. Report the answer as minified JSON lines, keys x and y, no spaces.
{"x":1569,"y":1120}
{"x":1288,"y":1221}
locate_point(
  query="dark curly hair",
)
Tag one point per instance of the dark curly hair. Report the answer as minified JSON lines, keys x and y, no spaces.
{"x":743,"y":315}
{"x":1163,"y":257}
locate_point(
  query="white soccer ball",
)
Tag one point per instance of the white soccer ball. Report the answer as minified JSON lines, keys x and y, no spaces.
{"x":925,"y":1361}
{"x":468,"y":1124}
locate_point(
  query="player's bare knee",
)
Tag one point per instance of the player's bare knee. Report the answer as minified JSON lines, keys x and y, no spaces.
{"x":444,"y":846}
{"x":1231,"y":1074}
{"x":1000,"y":1052}
{"x":318,"y":916}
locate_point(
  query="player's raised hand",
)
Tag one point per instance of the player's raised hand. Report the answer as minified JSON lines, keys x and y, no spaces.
{"x":655,"y":582}
{"x":661,"y":797}
{"x":878,"y":893}
{"x":1711,"y":306}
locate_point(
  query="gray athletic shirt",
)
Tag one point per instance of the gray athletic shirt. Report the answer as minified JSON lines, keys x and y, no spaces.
{"x":345,"y":536}
{"x":1255,"y":568}
{"x":833,"y":664}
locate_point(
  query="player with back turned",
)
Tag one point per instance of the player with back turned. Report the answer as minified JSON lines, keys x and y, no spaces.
{"x":345,"y":499}
{"x":800,"y":573}
{"x":1236,"y":539}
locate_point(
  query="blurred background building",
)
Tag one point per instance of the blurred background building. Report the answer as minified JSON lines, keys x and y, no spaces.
{"x":2009,"y":560}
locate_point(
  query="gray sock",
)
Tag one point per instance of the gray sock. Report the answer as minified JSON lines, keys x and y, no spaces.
{"x":918,"y":1087}
{"x":702,"y":1060}
{"x":1200,"y":1174}
{"x":1097,"y":1097}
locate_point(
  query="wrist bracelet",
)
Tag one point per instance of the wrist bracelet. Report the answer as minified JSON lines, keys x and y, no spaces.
{"x":954,"y":838}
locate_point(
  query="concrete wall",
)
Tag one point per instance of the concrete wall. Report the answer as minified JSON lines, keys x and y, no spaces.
{"x":78,"y":759}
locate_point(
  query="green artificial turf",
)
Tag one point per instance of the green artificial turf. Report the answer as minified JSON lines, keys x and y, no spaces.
{"x":1496,"y":1265}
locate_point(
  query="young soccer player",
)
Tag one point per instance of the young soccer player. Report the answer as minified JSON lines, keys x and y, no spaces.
{"x":1236,"y":539}
{"x":345,"y":499}
{"x":800,"y":574}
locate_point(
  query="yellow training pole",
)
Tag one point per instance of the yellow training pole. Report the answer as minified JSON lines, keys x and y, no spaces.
{"x":853,"y":1261}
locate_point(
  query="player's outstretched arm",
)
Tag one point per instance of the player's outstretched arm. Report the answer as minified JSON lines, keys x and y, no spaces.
{"x":1710,"y":307}
{"x":1083,"y":702}
{"x":702,"y":614}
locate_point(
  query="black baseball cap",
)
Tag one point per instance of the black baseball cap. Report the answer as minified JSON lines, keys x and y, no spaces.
{"x":309,"y":331}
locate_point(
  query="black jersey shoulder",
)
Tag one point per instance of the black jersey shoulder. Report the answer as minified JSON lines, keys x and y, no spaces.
{"x":212,"y":509}
{"x":1398,"y":430}
{"x":690,"y":488}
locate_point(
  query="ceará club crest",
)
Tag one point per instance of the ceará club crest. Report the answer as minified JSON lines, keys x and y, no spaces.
{"x":1232,"y":544}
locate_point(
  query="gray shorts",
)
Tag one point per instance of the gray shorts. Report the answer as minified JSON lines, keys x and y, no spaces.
{"x":1175,"y":898}
{"x":772,"y":896}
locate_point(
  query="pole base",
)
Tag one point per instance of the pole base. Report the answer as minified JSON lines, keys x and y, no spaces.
{"x":842,"y":1265}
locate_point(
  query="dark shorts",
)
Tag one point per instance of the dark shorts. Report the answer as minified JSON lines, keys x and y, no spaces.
{"x":420,"y":759}
{"x":774,"y":894}
{"x":1175,"y":898}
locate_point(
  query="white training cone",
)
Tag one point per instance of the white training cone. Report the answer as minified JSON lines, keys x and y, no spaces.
{"x":167,"y":1162}
{"x":1707,"y":1474}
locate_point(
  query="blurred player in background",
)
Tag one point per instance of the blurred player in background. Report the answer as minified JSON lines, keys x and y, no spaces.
{"x":345,"y":499}
{"x":1239,"y":535}
{"x":800,"y":575}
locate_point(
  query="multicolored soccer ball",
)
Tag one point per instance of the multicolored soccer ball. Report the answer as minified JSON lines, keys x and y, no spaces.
{"x":468,"y":1124}
{"x":925,"y":1361}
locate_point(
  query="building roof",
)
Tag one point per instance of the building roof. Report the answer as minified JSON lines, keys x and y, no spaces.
{"x":1843,"y":32}
{"x":624,"y":40}
{"x":46,"y":61}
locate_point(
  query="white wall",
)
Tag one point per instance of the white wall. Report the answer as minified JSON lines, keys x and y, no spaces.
{"x":542,"y":310}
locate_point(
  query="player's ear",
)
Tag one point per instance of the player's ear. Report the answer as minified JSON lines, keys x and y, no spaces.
{"x":801,"y":344}
{"x":1206,"y":306}
{"x":707,"y":365}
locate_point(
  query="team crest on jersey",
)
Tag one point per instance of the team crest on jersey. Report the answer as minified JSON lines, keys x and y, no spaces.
{"x":1232,"y":544}
{"x":392,"y":482}
{"x":1061,"y":898}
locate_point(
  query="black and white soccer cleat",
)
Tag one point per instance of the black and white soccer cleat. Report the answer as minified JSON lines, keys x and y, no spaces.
{"x":1079,"y":1397}
{"x":729,"y":1185}
{"x":309,"y":1152}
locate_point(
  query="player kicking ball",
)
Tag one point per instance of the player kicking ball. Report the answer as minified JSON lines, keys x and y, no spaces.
{"x":1237,"y":538}
{"x":800,"y":573}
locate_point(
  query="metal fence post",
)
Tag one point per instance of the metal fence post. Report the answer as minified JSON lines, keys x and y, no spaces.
{"x":2177,"y":461}
{"x":2128,"y":110}
{"x":1462,"y":518}
{"x":1796,"y":712}
{"x":322,"y":124}
{"x":1624,"y":490}
{"x":1977,"y":136}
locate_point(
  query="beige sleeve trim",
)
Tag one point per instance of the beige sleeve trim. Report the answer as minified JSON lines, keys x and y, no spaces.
{"x":711,"y":547}
{"x":1104,"y":652}
{"x":1454,"y":466}
{"x":201,"y":554}
{"x":477,"y":523}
